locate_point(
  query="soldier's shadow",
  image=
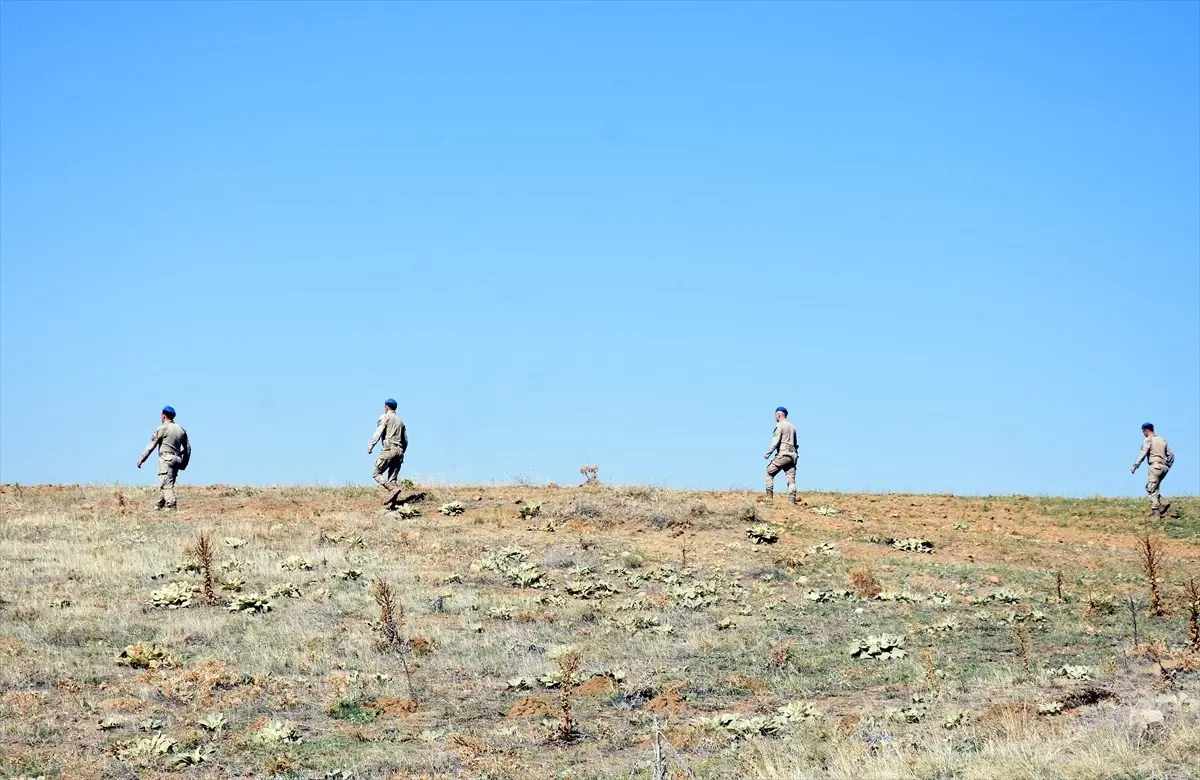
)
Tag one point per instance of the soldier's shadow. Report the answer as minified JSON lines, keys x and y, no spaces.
{"x":411,"y":498}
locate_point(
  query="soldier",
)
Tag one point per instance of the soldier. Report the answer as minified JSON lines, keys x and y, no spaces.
{"x":1159,"y":460}
{"x":174,"y":453}
{"x":393,"y":441}
{"x":783,"y":447}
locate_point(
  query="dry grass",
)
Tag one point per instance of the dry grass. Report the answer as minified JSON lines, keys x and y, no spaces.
{"x":302,"y":689}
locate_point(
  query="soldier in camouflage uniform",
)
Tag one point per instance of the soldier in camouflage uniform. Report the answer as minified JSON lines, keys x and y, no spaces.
{"x":392,"y":438}
{"x":1159,"y":460}
{"x":784,"y":448}
{"x":174,"y":453}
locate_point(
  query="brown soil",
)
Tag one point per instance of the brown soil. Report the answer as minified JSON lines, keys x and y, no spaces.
{"x":530,"y":708}
{"x":392,"y":707}
{"x":597,"y":686}
{"x":667,"y":703}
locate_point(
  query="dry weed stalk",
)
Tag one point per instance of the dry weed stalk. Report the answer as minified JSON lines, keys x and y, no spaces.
{"x":931,"y":675}
{"x":1058,"y":585}
{"x":391,"y":618}
{"x":683,"y":551}
{"x":1129,"y":602}
{"x":590,"y":475}
{"x":568,"y":670}
{"x":862,"y":579}
{"x":120,"y":496}
{"x":1191,"y":591}
{"x":205,"y":555}
{"x":1021,"y":632}
{"x":1150,"y":551}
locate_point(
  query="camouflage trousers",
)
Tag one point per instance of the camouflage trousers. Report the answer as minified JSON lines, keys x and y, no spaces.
{"x":1154,"y":478}
{"x":786,"y":464}
{"x":387,"y":468}
{"x":166,"y":486}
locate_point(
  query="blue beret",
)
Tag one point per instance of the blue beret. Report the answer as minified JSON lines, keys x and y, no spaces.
{"x":1147,"y":425}
{"x":168,"y":410}
{"x":781,"y":409}
{"x":390,"y":402}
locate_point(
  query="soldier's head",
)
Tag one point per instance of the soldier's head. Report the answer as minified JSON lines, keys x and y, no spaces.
{"x":390,"y":404}
{"x":168,"y":414}
{"x":780,"y":413}
{"x":1147,"y":429}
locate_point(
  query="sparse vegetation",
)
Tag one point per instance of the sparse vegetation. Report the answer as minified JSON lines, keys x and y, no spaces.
{"x":819,"y":655}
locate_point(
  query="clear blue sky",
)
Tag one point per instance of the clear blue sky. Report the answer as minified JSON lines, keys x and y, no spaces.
{"x":960,"y":241}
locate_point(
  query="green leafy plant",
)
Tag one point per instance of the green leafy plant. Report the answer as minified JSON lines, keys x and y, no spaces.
{"x":913,"y":713}
{"x":763,"y":534}
{"x":825,"y":511}
{"x":958,"y":719}
{"x":452,"y":509}
{"x":296,"y":563}
{"x":232,"y":584}
{"x":351,"y":574}
{"x":213,"y":722}
{"x":1050,"y":708}
{"x":530,"y":511}
{"x":233,"y":542}
{"x":184,"y":760}
{"x":276,"y":731}
{"x":176,"y":595}
{"x":512,"y":562}
{"x":824,"y":596}
{"x":913,"y":545}
{"x":159,"y":744}
{"x":591,"y":589}
{"x":999,"y":597}
{"x":250,"y":603}
{"x":233,"y":563}
{"x":147,"y":655}
{"x":520,"y":684}
{"x":284,"y":590}
{"x":824,"y":548}
{"x":408,"y":511}
{"x":1074,"y":672}
{"x":738,"y":727}
{"x":881,"y":647}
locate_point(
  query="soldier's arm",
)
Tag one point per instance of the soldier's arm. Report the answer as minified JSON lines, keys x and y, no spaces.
{"x":185,"y":456}
{"x":403,"y":436}
{"x":378,"y":435}
{"x":1145,"y":453}
{"x":155,"y":439}
{"x":775,"y":439}
{"x":1168,"y":455}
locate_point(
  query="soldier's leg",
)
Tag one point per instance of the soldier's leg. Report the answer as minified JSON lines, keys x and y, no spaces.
{"x":162,"y":491}
{"x":791,"y":479}
{"x":381,"y":465}
{"x":772,"y":469}
{"x":1153,"y":481}
{"x":393,"y":471}
{"x":166,"y":482}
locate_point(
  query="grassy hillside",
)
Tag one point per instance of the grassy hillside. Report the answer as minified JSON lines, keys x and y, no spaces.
{"x":592,"y":632}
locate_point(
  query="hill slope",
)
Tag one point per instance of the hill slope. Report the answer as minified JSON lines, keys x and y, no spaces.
{"x":679,"y":620}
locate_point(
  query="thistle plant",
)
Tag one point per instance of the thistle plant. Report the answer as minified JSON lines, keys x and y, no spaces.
{"x":391,"y":620}
{"x":1152,"y":556}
